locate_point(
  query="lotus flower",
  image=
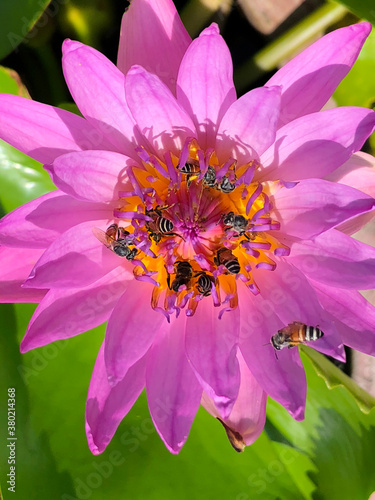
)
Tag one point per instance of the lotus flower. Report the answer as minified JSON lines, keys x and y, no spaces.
{"x":204,"y":228}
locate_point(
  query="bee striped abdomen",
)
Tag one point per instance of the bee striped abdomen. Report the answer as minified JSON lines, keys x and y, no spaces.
{"x":313,"y":333}
{"x":295,"y":333}
{"x":233,"y":266}
{"x":165,"y":225}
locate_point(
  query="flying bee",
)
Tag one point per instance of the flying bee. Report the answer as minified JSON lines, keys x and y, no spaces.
{"x":295,"y":333}
{"x":204,"y":283}
{"x":225,"y":257}
{"x":237,"y":223}
{"x":116,"y":239}
{"x":159,"y":226}
{"x":184,"y":274}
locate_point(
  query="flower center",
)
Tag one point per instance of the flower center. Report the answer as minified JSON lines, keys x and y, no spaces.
{"x":194,"y":228}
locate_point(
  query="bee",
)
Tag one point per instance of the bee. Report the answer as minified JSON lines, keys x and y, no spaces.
{"x":238,"y":223}
{"x":191,"y":169}
{"x":295,"y":333}
{"x":159,"y":226}
{"x":204,"y":283}
{"x":225,"y":257}
{"x":209,"y":177}
{"x":116,"y":239}
{"x":184,"y":274}
{"x":226,"y":186}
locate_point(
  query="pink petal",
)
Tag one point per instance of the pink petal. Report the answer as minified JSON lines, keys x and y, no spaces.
{"x":353,"y":314}
{"x":16,"y":264}
{"x":211,"y":347}
{"x":315,"y":205}
{"x":353,"y":225}
{"x":311,"y":77}
{"x":249,"y":412}
{"x":131,"y":330}
{"x":153,"y":36}
{"x":44,"y":132}
{"x":248,"y":128}
{"x":173,"y":392}
{"x":78,"y":174}
{"x":282,"y":378}
{"x":106,"y":406}
{"x":358,"y":172}
{"x":316,"y":144}
{"x":64,"y":313}
{"x":44,"y":219}
{"x":97,"y":87}
{"x":76,"y":259}
{"x":205,"y":83}
{"x":158,"y":115}
{"x":336,"y":259}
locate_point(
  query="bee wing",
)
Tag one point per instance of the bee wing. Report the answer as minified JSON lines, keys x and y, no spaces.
{"x":289,"y":329}
{"x":101,"y":236}
{"x":298,"y":323}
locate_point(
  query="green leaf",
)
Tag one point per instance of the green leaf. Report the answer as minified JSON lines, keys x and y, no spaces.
{"x":17,"y":18}
{"x":37,"y":475}
{"x":335,"y":378}
{"x":70,"y":106}
{"x":21,"y":178}
{"x":362,"y":8}
{"x":358,"y":87}
{"x":336,"y":435}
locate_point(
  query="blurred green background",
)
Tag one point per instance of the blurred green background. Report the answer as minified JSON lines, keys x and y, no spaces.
{"x":328,"y":456}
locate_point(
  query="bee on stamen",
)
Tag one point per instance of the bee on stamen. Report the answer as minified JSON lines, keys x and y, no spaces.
{"x":209,"y":178}
{"x":116,"y":239}
{"x":225,"y":257}
{"x":226,"y":186}
{"x":159,"y":226}
{"x":191,"y":169}
{"x":295,"y":333}
{"x":237,"y":223}
{"x":183,"y":275}
{"x":204,"y":283}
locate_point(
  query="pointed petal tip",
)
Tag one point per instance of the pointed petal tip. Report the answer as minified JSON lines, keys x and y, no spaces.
{"x":69,"y":45}
{"x":24,"y":346}
{"x":176,"y":449}
{"x":213,"y":29}
{"x":90,"y":441}
{"x":364,"y":27}
{"x":136,"y":69}
{"x":299,"y":413}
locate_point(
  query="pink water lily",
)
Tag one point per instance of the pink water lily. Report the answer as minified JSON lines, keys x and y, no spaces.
{"x":197,"y":224}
